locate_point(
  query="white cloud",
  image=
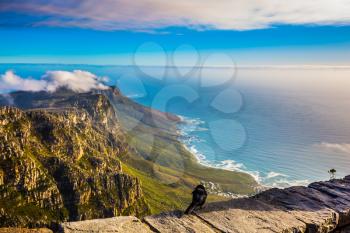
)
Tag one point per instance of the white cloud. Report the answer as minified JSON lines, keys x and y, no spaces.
{"x":78,"y":81}
{"x":335,"y":147}
{"x":199,"y":14}
{"x":10,"y":81}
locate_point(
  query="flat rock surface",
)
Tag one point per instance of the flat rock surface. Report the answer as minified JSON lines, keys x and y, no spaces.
{"x":250,"y":215}
{"x":24,"y":230}
{"x":176,"y":222}
{"x":321,"y":207}
{"x":127,"y":224}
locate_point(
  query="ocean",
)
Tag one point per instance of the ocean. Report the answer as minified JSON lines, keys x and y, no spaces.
{"x":283,"y":125}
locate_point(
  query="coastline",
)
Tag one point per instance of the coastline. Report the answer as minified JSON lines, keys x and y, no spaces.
{"x":186,"y":126}
{"x":182,"y":134}
{"x":228,"y":165}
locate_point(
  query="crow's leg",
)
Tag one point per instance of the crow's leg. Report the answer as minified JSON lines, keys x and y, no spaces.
{"x":190,"y":209}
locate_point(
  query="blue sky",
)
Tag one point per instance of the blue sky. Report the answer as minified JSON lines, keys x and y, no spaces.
{"x":34,"y":32}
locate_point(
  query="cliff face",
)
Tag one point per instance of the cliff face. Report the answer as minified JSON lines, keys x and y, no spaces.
{"x":77,"y":140}
{"x":61,"y":164}
{"x":26,"y":188}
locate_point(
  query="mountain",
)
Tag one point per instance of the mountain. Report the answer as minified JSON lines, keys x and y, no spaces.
{"x":75,"y":156}
{"x":62,"y":164}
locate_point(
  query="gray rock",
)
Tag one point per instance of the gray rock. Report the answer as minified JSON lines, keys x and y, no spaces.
{"x":343,"y":230}
{"x":339,"y":195}
{"x":249,"y":216}
{"x":24,"y":230}
{"x":127,"y":224}
{"x":321,"y":207}
{"x":175,"y":222}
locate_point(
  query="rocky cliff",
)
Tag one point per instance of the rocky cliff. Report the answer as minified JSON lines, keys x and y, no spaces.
{"x":154,"y":153}
{"x":60,"y":164}
{"x":321,"y":207}
{"x":74,"y":156}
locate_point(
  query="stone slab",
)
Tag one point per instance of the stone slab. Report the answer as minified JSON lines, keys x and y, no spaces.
{"x":250,"y":216}
{"x":121,"y":224}
{"x":24,"y":230}
{"x":176,"y":222}
{"x":319,"y":208}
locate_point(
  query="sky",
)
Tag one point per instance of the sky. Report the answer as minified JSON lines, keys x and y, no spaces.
{"x":182,"y":32}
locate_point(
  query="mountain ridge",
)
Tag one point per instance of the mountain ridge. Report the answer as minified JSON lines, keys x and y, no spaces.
{"x":92,"y":147}
{"x":54,"y":149}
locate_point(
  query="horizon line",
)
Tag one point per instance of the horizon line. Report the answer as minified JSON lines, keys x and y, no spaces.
{"x":302,"y":66}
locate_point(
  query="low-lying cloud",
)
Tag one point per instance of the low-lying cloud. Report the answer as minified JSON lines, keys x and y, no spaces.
{"x":335,"y":147}
{"x":157,"y":14}
{"x":77,"y":80}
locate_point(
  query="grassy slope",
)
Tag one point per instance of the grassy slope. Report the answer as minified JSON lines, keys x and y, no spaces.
{"x":168,"y":171}
{"x":163,"y":197}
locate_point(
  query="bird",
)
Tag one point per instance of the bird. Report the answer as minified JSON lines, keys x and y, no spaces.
{"x":199,"y":196}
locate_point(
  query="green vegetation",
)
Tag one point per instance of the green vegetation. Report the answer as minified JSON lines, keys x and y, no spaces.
{"x":73,"y":174}
{"x":167,"y":170}
{"x":332,"y":172}
{"x":164,"y":197}
{"x":83,"y":160}
{"x":16,"y":206}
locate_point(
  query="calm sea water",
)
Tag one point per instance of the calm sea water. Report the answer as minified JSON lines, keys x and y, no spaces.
{"x":283,"y":126}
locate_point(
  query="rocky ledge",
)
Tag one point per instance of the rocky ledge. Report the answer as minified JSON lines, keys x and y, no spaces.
{"x":320,"y":207}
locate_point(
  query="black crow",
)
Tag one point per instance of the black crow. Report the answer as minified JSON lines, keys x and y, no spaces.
{"x":199,"y":196}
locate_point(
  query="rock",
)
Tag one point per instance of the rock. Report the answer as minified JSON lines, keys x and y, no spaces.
{"x":62,"y":165}
{"x":176,"y":222}
{"x":338,"y":192}
{"x":343,"y":230}
{"x":250,"y":215}
{"x":322,"y":207}
{"x":116,"y":224}
{"x":304,"y":204}
{"x":25,"y":230}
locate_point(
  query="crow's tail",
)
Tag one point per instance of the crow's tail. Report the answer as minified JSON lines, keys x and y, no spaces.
{"x":190,"y":208}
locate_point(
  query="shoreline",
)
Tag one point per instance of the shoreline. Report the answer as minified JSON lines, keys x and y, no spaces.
{"x":188,"y":125}
{"x":201,"y":159}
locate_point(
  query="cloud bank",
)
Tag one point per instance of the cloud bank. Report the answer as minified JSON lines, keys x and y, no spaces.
{"x":335,"y":147}
{"x":157,"y":14}
{"x":78,"y":81}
